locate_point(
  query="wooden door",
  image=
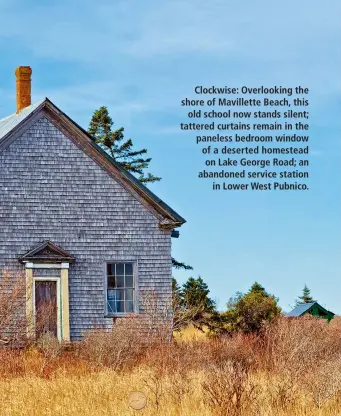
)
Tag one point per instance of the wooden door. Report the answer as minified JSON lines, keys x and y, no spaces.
{"x":46,"y":307}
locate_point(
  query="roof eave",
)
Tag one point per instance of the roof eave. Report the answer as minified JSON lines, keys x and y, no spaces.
{"x":164,"y":209}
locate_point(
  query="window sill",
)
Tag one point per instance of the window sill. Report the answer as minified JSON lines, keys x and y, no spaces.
{"x":122,"y":315}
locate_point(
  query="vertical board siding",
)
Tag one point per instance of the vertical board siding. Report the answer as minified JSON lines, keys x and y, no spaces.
{"x":51,"y":190}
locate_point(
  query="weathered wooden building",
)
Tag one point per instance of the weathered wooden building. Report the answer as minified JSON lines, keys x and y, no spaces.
{"x":88,"y":236}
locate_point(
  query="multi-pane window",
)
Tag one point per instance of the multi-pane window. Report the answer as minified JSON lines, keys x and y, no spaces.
{"x":120,"y":288}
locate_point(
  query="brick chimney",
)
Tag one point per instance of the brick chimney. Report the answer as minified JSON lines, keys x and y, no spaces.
{"x":23,"y":76}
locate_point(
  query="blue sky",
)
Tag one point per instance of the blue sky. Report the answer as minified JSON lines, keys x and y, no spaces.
{"x":141,"y":58}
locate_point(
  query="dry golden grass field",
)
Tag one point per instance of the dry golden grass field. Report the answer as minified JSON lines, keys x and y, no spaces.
{"x":294,"y":368}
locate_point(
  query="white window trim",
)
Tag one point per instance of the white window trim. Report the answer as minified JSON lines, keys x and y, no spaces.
{"x":58,"y":301}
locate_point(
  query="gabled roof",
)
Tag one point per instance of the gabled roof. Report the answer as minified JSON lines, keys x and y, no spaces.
{"x":11,"y":127}
{"x":299,"y":310}
{"x":47,"y":252}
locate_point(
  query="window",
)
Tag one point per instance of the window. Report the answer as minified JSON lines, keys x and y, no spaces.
{"x":120,"y":288}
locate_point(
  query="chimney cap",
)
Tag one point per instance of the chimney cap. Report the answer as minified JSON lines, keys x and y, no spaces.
{"x":23,"y":70}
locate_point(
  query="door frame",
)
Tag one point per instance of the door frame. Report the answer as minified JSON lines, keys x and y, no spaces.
{"x":62,"y":278}
{"x":58,"y":301}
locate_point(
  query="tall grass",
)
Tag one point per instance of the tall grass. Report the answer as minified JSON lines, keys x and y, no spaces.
{"x":292,"y":368}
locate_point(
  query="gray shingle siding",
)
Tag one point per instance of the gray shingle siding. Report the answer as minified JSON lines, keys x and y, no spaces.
{"x":51,"y":190}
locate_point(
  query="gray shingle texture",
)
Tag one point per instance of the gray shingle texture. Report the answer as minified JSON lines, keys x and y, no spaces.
{"x":51,"y":190}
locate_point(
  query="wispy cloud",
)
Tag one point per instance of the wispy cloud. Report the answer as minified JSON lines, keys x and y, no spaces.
{"x":95,"y":31}
{"x":141,"y":58}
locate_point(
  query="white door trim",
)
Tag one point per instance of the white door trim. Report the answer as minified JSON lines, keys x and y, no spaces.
{"x":29,"y":265}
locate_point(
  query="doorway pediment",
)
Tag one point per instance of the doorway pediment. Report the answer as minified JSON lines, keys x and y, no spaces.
{"x":47,"y":252}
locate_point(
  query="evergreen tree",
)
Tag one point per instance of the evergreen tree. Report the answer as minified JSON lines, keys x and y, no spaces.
{"x":180,"y":265}
{"x":257,"y":288}
{"x":122,"y":150}
{"x":192,"y":306}
{"x":306,"y":296}
{"x":195,"y":294}
{"x":119,"y":148}
{"x":250,"y":311}
{"x":197,"y":307}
